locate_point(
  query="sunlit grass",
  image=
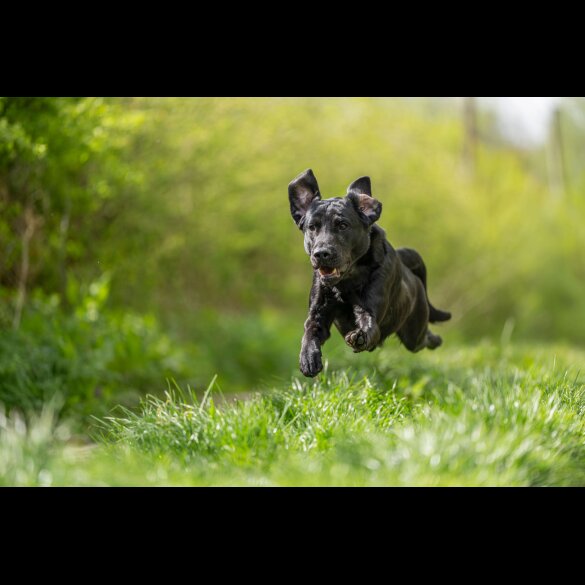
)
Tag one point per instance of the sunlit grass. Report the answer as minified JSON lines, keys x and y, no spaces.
{"x":484,"y":415}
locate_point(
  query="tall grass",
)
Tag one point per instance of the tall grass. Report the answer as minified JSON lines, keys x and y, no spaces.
{"x":481,"y":416}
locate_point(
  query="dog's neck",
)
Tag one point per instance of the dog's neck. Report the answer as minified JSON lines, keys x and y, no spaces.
{"x":375,"y":252}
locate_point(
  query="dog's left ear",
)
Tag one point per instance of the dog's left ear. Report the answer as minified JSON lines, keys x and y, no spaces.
{"x":360,"y":194}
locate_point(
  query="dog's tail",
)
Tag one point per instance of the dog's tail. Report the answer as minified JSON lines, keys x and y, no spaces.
{"x":412,"y":259}
{"x":436,"y":315}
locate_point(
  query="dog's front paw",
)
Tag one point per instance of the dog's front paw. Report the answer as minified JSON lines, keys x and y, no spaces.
{"x":310,"y":362}
{"x":358,"y":340}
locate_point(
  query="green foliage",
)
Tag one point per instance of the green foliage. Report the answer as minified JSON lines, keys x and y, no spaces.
{"x":90,"y":359}
{"x":500,"y":247}
{"x":183,"y":202}
{"x":60,"y":166}
{"x":245,"y":351}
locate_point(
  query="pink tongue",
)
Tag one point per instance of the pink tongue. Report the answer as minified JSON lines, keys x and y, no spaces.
{"x":326,"y":271}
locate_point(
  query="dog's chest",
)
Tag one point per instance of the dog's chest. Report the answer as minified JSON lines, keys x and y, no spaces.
{"x":349,"y":295}
{"x":337,"y":295}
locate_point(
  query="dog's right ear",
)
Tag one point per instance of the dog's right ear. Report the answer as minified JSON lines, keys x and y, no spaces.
{"x":302,"y":191}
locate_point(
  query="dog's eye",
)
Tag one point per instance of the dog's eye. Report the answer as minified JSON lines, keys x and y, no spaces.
{"x":312,"y":227}
{"x":342,"y":225}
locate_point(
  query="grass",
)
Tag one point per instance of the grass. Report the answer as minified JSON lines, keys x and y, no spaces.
{"x":487,"y":415}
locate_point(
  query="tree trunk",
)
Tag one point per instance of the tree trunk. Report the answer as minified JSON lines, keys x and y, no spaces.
{"x":560,"y":150}
{"x":555,"y":157}
{"x":26,"y":236}
{"x":63,"y":233}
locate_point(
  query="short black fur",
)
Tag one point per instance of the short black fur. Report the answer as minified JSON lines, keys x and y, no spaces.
{"x":361,"y":284}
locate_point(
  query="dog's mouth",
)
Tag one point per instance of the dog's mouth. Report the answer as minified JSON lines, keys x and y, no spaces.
{"x":330,"y":275}
{"x":328,"y":271}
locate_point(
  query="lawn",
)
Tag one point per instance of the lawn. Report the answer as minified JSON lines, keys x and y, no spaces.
{"x":469,"y":415}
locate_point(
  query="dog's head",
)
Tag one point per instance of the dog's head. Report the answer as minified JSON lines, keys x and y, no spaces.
{"x":337,"y":230}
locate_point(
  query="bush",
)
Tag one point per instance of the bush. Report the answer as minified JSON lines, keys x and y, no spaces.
{"x":90,"y":357}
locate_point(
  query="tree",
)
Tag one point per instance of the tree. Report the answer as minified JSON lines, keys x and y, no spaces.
{"x":58,"y":166}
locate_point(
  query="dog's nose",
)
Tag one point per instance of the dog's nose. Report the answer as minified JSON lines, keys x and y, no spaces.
{"x":322,"y":254}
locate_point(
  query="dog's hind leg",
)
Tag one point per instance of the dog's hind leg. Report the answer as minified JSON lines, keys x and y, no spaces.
{"x":432,"y":340}
{"x":414,"y":341}
{"x":414,"y":332}
{"x":412,"y":260}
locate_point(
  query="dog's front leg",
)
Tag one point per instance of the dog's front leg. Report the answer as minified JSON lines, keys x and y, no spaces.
{"x":368,"y":312}
{"x":366,"y":335}
{"x":317,"y":331}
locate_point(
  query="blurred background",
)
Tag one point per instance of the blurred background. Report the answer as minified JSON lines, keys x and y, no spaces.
{"x":150,"y":238}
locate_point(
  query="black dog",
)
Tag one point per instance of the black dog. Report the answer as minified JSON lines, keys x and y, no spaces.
{"x":360,"y":283}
